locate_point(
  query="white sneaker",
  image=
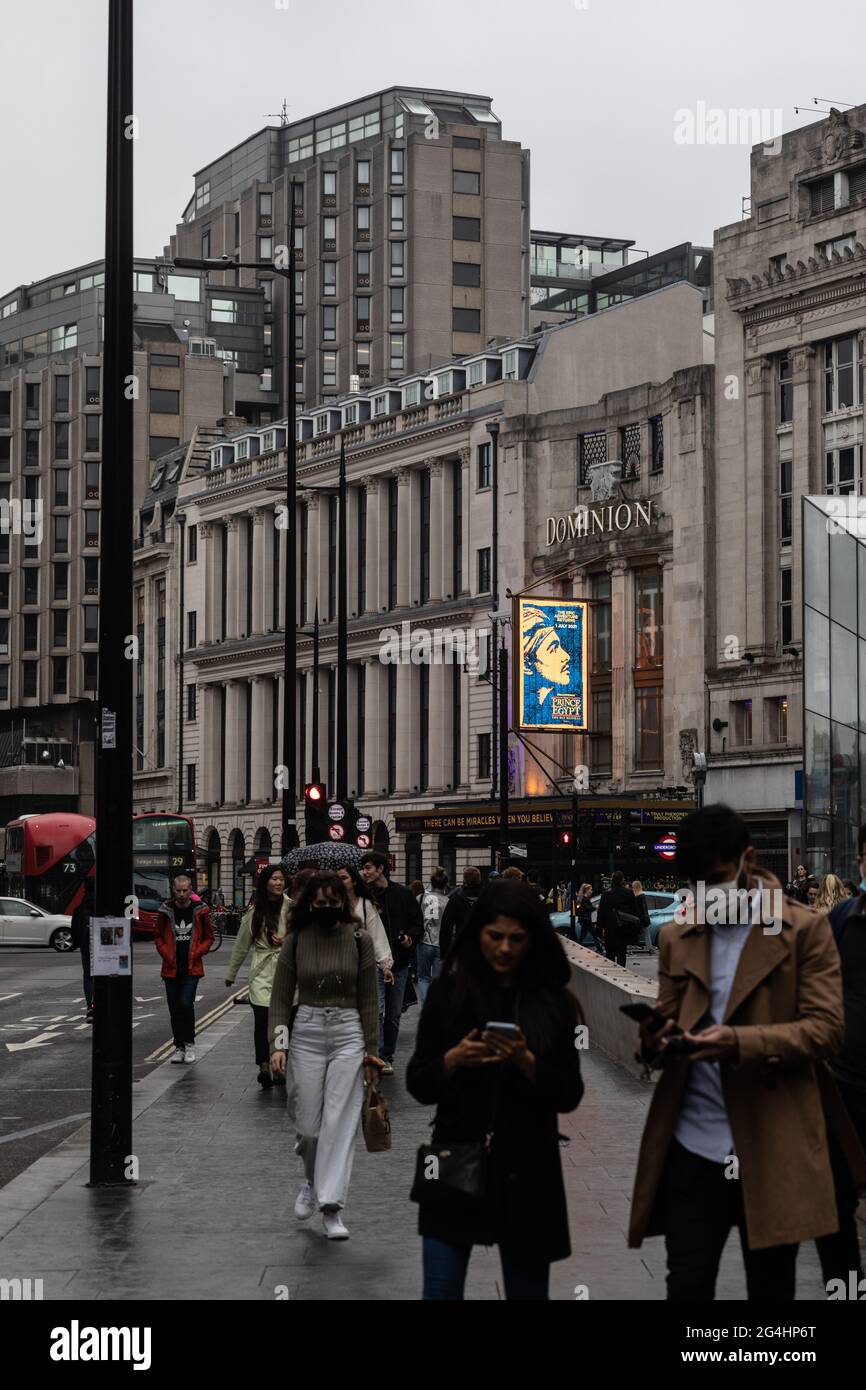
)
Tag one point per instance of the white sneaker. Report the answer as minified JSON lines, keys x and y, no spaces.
{"x":189,"y":1054}
{"x":305,"y":1202}
{"x":177,"y":1055}
{"x":332,"y":1224}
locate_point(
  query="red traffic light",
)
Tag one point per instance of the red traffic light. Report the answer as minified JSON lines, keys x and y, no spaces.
{"x":565,"y":837}
{"x":314,"y":792}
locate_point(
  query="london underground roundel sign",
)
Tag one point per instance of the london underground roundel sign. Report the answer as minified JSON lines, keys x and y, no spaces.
{"x":666,"y":846}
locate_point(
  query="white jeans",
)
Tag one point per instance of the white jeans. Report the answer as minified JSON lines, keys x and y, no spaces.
{"x":326,"y":1054}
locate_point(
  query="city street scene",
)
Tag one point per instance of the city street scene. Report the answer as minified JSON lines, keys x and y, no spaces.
{"x":433,"y":668}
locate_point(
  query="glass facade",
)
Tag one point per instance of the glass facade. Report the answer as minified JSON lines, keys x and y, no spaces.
{"x":834,"y":685}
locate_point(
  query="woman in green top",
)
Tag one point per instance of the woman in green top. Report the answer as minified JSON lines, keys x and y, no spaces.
{"x":263,"y":929}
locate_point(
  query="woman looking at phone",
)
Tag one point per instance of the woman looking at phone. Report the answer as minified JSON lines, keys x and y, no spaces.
{"x":506,"y":967}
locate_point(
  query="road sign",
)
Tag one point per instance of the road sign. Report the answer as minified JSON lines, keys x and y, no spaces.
{"x":364,"y":825}
{"x":336,"y":832}
{"x":363,"y":842}
{"x":336,"y":810}
{"x":519,"y":851}
{"x":666,"y":846}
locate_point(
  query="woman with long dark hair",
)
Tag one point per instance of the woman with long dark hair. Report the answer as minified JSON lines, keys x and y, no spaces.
{"x":263,"y":931}
{"x":331,"y":1041}
{"x":506,"y":967}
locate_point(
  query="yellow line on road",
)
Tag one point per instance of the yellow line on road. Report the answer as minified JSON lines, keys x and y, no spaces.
{"x":201,"y":1023}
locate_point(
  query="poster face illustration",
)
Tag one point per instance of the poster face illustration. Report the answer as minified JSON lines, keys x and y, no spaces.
{"x":550,"y":663}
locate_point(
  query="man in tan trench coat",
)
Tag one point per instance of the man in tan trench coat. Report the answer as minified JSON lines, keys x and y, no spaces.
{"x":736,"y":1134}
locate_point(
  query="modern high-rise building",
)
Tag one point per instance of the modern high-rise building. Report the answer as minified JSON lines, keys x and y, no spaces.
{"x":188,"y":363}
{"x":412,"y":237}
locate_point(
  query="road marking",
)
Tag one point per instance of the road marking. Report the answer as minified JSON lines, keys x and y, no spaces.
{"x":146,"y":998}
{"x":4,"y":997}
{"x":38,"y":1129}
{"x":200,"y":1024}
{"x":41,"y":1040}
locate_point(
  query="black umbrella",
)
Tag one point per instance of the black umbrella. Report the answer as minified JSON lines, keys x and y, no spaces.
{"x":327,"y":855}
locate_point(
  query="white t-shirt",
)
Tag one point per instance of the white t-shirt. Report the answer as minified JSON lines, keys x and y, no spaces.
{"x":368,"y":916}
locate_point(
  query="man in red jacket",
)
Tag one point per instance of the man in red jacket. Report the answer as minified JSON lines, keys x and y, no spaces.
{"x":184,"y":935}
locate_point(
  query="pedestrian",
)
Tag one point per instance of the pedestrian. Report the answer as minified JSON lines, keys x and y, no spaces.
{"x":512,"y":872}
{"x":183,"y":936}
{"x":533,"y":879}
{"x":506,"y":967}
{"x":329,"y":960}
{"x":367,"y":913}
{"x":618,"y":917}
{"x":81,"y":938}
{"x":401,"y":915}
{"x":643,"y":913}
{"x":263,"y":931}
{"x":416,"y":888}
{"x":851,"y":889}
{"x":460,"y":905}
{"x":433,"y":905}
{"x":583,"y":911}
{"x":812,"y":892}
{"x":751,"y":997}
{"x":300,"y":880}
{"x":830,"y":892}
{"x":797,"y":887}
{"x":840,"y":1253}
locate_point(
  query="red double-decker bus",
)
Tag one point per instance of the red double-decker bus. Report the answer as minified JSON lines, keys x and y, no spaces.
{"x":49,"y":859}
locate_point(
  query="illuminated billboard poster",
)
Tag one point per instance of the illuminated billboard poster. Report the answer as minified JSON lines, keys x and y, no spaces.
{"x":550,"y":636}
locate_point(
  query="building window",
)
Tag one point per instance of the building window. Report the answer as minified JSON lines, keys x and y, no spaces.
{"x":593,"y":449}
{"x":463,"y":181}
{"x":786,"y":391}
{"x":398,"y":167}
{"x":424,"y":536}
{"x":30,"y":638}
{"x":648,"y":741}
{"x":466,"y":320}
{"x":362,"y":313}
{"x":329,"y":279}
{"x":836,"y":245}
{"x":397,"y":358}
{"x":60,"y":675}
{"x":159,"y":444}
{"x":61,"y":487}
{"x":362,"y":269}
{"x":629,"y":444}
{"x":362,"y":360}
{"x":31,"y":448}
{"x":648,"y":618}
{"x":91,"y":529}
{"x":61,"y":581}
{"x":191,"y":543}
{"x":776,"y":719}
{"x":457,"y":518}
{"x":843,"y":374}
{"x":465,"y":274}
{"x":191,"y":698}
{"x":484,"y":570}
{"x":91,"y":433}
{"x":202,"y":195}
{"x":821,"y":195}
{"x":398,"y":259}
{"x":329,"y":369}
{"x":785,"y":501}
{"x":329,"y":233}
{"x":601,"y":644}
{"x":467,"y":229}
{"x":205,"y":244}
{"x":786,"y":607}
{"x":484,"y":760}
{"x":164,"y":402}
{"x":657,"y":444}
{"x":32,"y":395}
{"x":90,"y":627}
{"x":61,"y":395}
{"x":266,"y":209}
{"x":91,"y":576}
{"x":299,"y":289}
{"x":61,"y":535}
{"x":397,"y":296}
{"x":266,"y":248}
{"x":90,"y":670}
{"x":485,"y":465}
{"x":362,"y":181}
{"x":741,"y":723}
{"x":191,"y":629}
{"x":29,"y":682}
{"x":60,"y":625}
{"x":843,"y":470}
{"x":329,"y":323}
{"x":329,"y":187}
{"x":92,"y":388}
{"x":91,"y":482}
{"x":398,"y":214}
{"x":190,"y":781}
{"x":362,"y":222}
{"x":601,"y":746}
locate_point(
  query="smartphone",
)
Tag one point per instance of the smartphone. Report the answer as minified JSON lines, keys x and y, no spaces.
{"x":643,"y":1012}
{"x":679,"y":1045}
{"x":506,"y":1030}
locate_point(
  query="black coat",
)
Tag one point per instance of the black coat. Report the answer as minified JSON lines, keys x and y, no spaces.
{"x":525,"y":1208}
{"x":401,"y":915}
{"x":613,"y":901}
{"x":455,"y":916}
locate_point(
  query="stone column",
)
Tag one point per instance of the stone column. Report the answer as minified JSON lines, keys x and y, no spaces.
{"x":374,"y":545}
{"x":209,"y":751}
{"x":756,"y":550}
{"x":354,"y":495}
{"x":465,"y":459}
{"x":440,"y":720}
{"x":352,"y":734}
{"x":676,"y":710}
{"x":261,"y":574}
{"x":807,"y":410}
{"x":313,"y":543}
{"x":233,"y":579}
{"x":210,"y":536}
{"x":376,"y":729}
{"x":405,"y":537}
{"x":437,"y":530}
{"x":621,"y":699}
{"x":235,"y":740}
{"x":407,"y":730}
{"x":262,"y":750}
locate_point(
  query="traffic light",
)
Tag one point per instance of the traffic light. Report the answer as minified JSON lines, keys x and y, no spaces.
{"x":315,"y":813}
{"x":565,"y":838}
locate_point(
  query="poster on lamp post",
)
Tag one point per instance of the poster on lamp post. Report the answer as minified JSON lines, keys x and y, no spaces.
{"x":550,"y":652}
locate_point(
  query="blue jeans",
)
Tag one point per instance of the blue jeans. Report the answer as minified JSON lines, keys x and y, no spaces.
{"x":393,"y":1012}
{"x":445,"y":1269}
{"x":380,"y":976}
{"x":429,"y":966}
{"x":181,"y":1005}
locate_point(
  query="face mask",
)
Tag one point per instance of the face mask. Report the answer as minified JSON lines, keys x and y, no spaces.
{"x":325,"y":916}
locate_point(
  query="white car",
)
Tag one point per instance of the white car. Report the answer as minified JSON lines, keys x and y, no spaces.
{"x":23,"y":924}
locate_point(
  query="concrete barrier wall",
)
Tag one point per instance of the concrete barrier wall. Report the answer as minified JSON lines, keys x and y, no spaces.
{"x":601,"y":987}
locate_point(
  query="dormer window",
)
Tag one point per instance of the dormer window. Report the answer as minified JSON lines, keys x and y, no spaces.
{"x":380,"y":405}
{"x":322,"y":424}
{"x":412,"y":393}
{"x":242,"y":450}
{"x":476,"y":374}
{"x":352,"y":413}
{"x":509,"y":365}
{"x":269,"y":441}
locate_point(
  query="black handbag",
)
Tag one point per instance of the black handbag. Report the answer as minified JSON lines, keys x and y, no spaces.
{"x":453,"y":1176}
{"x":630,"y":927}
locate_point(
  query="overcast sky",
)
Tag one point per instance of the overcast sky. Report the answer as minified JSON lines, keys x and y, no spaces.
{"x":591,"y":91}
